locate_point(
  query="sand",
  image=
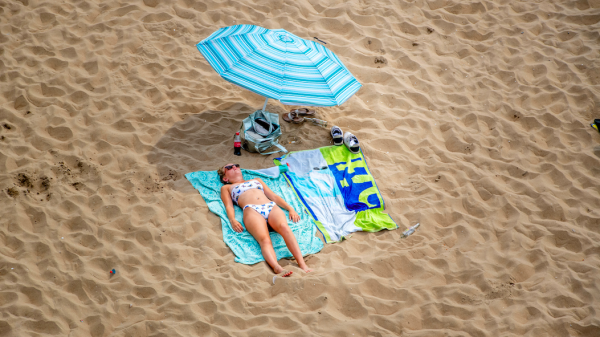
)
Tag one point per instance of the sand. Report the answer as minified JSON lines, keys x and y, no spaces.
{"x":474,"y":117}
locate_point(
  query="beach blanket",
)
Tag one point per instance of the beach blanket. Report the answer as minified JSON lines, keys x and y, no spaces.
{"x":338,"y":190}
{"x":243,"y":245}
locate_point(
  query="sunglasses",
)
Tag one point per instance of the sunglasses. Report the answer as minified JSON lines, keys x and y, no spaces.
{"x":229,"y":167}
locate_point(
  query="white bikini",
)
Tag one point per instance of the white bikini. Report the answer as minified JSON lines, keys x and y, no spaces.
{"x":238,"y":190}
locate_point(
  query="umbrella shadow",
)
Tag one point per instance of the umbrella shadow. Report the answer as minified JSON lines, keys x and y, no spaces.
{"x":203,"y":142}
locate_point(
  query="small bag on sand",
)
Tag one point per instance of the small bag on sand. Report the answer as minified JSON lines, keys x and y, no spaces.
{"x":260,"y":131}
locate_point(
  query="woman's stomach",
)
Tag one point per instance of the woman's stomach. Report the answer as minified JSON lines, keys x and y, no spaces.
{"x":253,"y":197}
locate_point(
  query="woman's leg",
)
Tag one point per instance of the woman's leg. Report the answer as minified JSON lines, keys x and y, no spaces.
{"x":257,"y":226}
{"x":278,"y":221}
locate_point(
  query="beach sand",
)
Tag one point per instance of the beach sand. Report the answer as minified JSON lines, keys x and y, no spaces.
{"x":474,"y":117}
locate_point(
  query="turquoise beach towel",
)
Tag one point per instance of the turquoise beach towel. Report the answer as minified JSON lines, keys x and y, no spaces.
{"x":243,"y":245}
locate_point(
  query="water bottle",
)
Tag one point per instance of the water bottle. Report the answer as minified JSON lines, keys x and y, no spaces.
{"x":237,"y":144}
{"x":410,"y":230}
{"x":316,"y":121}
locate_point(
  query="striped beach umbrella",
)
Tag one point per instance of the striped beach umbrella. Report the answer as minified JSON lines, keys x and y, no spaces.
{"x":279,"y":65}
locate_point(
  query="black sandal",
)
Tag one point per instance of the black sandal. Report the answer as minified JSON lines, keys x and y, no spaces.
{"x":293,"y":117}
{"x":304,"y":112}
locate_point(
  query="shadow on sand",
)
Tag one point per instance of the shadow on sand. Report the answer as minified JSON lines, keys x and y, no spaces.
{"x":204,"y":141}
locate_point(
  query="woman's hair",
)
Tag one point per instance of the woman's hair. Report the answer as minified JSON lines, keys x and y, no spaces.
{"x":221,"y":172}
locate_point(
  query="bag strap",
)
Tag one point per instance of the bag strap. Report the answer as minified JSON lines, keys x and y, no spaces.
{"x":276,"y":144}
{"x":271,"y":127}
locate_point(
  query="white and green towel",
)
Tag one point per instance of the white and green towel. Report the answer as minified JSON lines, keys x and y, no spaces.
{"x":338,"y":190}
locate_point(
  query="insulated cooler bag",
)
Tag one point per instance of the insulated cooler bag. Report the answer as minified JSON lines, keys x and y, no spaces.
{"x":260,"y":131}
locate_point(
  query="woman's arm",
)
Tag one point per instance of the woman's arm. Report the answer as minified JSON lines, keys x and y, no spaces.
{"x":226,"y":198}
{"x":279,"y":201}
{"x":274,"y":197}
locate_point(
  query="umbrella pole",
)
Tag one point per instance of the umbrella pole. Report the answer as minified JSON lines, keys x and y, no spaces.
{"x":265,"y":105}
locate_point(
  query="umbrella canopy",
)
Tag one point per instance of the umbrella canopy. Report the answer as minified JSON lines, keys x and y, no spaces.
{"x":279,"y":65}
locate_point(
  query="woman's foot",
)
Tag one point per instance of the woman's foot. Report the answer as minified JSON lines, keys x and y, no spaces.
{"x":306,"y":269}
{"x":282,"y":272}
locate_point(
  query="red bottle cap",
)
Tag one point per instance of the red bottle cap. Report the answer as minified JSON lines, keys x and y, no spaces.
{"x":237,"y":133}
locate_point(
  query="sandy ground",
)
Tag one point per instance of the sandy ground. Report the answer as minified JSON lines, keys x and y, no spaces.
{"x":474,"y":117}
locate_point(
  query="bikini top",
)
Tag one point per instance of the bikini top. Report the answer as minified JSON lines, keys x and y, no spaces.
{"x":237,"y":190}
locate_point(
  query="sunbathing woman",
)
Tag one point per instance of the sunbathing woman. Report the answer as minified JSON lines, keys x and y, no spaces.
{"x":261,"y":210}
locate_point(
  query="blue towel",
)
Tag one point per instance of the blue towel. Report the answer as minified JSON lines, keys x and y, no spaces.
{"x":243,"y":245}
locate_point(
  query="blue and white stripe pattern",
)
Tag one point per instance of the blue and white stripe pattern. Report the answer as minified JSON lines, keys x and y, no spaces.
{"x":279,"y":65}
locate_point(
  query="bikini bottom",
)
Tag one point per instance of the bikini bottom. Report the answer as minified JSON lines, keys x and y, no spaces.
{"x":263,"y":210}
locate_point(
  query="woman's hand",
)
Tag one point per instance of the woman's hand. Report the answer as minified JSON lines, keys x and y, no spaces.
{"x":294,"y":216}
{"x":236,"y":226}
